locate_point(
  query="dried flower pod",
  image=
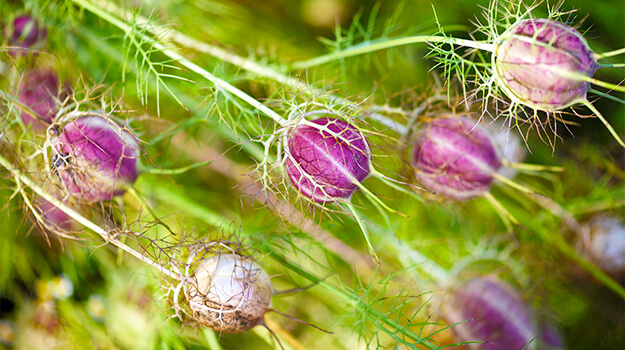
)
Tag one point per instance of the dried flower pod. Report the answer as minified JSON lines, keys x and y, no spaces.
{"x":541,"y":63}
{"x":95,"y":158}
{"x":455,"y":158}
{"x":603,"y":241}
{"x":26,"y":32}
{"x":494,"y":313}
{"x":326,"y":162}
{"x":38,"y":90}
{"x":231,"y":293}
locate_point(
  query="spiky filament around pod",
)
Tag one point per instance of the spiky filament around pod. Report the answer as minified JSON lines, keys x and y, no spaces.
{"x":455,"y":158}
{"x":230,"y":293}
{"x":95,"y":158}
{"x":327,"y":159}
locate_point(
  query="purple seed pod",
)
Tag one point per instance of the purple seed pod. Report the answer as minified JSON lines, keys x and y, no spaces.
{"x":603,"y":241}
{"x":494,"y":313}
{"x":326,"y":162}
{"x":39,"y":90}
{"x":95,"y":158}
{"x":231,"y":293}
{"x":541,"y":63}
{"x":455,"y":158}
{"x":26,"y":32}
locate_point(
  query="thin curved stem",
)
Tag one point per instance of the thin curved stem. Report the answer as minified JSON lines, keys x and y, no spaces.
{"x":385,"y":43}
{"x":605,"y":122}
{"x":599,"y":56}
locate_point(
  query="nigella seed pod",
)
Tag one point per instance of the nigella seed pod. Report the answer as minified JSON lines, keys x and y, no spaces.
{"x":326,"y":161}
{"x":494,"y":312}
{"x":38,"y":90}
{"x":603,"y":241}
{"x":541,"y":63}
{"x":95,"y":158}
{"x":230,"y":293}
{"x":455,"y":158}
{"x":26,"y":32}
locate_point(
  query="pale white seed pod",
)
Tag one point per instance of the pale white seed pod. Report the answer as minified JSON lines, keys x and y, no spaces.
{"x":230,"y":293}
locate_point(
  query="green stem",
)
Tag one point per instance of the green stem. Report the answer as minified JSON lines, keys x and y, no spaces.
{"x":84,"y":221}
{"x":605,"y":122}
{"x":380,"y":44}
{"x":599,"y":56}
{"x":374,"y":315}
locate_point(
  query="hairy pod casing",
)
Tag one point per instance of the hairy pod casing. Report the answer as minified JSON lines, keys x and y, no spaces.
{"x":325,"y":162}
{"x":95,"y":158}
{"x":230,"y":293}
{"x":495,"y":313}
{"x":603,"y":241}
{"x":26,"y":32}
{"x":39,"y":90}
{"x":541,"y":63}
{"x":455,"y":158}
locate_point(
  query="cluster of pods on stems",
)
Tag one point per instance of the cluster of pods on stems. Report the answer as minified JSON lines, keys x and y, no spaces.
{"x":325,"y":154}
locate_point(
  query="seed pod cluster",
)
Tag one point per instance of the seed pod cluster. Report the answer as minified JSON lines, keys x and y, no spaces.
{"x":230,"y":293}
{"x":95,"y":158}
{"x":326,"y":161}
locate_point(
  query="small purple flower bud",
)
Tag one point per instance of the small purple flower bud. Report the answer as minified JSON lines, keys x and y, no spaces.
{"x":494,"y":313}
{"x":326,"y":162}
{"x":455,"y":158}
{"x":603,"y":241}
{"x":95,"y":158}
{"x":39,"y":90}
{"x":540,"y":63}
{"x":26,"y":32}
